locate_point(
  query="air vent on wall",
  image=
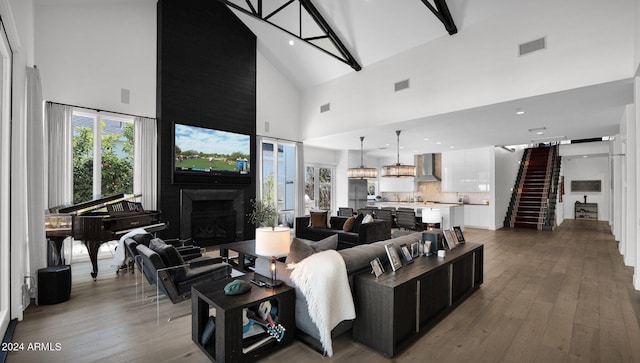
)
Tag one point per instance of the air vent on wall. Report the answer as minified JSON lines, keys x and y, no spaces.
{"x":533,"y":45}
{"x":399,"y":86}
{"x":326,"y":107}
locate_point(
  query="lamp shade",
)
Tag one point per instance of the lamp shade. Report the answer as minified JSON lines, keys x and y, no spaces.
{"x":362,"y":173}
{"x":272,"y":241}
{"x":399,"y":171}
{"x":430,"y":215}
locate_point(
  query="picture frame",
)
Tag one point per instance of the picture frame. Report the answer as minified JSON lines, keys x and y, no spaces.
{"x":415,"y":249}
{"x":450,"y":239}
{"x":377,"y":267}
{"x":459,"y":235}
{"x":392,"y":254}
{"x":406,"y":253}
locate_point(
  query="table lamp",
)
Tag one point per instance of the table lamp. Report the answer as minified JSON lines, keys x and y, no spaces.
{"x":431,"y":216}
{"x":273,"y":242}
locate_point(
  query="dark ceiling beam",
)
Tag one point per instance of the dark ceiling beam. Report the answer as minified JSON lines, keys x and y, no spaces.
{"x":317,"y":17}
{"x":441,"y":11}
{"x":345,"y":55}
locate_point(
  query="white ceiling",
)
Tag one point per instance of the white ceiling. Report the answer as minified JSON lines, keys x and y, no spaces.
{"x":576,"y":114}
{"x":374,"y":30}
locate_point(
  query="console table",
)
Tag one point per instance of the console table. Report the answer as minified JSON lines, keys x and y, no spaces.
{"x":226,"y":342}
{"x":586,"y":211}
{"x":396,"y":308}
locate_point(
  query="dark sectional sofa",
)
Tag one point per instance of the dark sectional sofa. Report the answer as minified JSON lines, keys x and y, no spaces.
{"x":378,"y":230}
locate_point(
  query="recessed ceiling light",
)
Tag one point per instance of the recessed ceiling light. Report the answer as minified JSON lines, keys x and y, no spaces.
{"x":452,"y":147}
{"x":438,"y":143}
{"x":426,"y":139}
{"x":519,"y":112}
{"x":540,"y":133}
{"x":585,"y":156}
{"x":291,"y":42}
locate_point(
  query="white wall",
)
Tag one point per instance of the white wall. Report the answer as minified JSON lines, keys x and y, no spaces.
{"x":506,"y":168}
{"x":88,"y":51}
{"x":277,"y":102}
{"x":481,"y":66}
{"x":591,"y":168}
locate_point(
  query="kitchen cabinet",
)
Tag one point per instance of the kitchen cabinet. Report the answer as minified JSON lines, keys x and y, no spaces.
{"x":466,"y":170}
{"x":477,"y":216}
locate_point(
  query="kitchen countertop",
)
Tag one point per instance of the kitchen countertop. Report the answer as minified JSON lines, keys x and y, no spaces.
{"x":421,"y":204}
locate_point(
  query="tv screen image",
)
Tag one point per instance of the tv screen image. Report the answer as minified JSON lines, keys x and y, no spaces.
{"x":204,"y":150}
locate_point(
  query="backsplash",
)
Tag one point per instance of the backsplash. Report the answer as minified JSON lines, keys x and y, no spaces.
{"x":432,"y":192}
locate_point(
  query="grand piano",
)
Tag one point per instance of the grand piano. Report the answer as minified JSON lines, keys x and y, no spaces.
{"x":98,"y":221}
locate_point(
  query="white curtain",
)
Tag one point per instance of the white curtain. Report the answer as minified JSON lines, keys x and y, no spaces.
{"x":60,"y":153}
{"x":36,"y":168}
{"x":145,"y":164}
{"x":300,"y":174}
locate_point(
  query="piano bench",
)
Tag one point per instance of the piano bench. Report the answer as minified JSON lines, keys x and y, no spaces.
{"x":54,"y":285}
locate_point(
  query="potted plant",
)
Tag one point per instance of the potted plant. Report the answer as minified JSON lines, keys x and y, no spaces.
{"x":264,"y":213}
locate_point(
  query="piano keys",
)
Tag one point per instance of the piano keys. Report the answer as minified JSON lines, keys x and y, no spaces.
{"x":101,"y":220}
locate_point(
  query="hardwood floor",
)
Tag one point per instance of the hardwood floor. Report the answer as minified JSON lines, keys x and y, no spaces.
{"x":562,"y":296}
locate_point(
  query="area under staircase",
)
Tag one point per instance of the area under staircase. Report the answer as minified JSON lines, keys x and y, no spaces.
{"x":533,"y":201}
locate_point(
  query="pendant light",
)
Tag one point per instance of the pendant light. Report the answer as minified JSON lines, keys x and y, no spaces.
{"x":362,"y":172}
{"x":398,"y":170}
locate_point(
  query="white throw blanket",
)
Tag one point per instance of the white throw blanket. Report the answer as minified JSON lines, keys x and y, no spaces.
{"x":322,"y":279}
{"x":119,"y":254}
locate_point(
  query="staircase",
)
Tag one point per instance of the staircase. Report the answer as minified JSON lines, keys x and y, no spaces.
{"x":533,"y":201}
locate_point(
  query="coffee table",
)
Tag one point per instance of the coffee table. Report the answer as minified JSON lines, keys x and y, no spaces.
{"x":244,"y":249}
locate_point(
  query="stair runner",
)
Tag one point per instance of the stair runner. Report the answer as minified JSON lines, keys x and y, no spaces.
{"x":531,"y":198}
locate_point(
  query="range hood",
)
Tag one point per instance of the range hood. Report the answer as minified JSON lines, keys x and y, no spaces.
{"x":426,"y":168}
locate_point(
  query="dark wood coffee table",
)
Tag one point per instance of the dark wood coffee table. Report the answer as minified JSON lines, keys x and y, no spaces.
{"x":245,"y":249}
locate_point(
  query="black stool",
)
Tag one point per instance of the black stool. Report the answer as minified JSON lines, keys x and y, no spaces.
{"x":54,"y":284}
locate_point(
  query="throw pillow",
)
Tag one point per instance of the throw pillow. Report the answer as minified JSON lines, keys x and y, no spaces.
{"x":367,"y":219}
{"x":318,"y":219}
{"x":156,"y":243}
{"x":169,"y":255}
{"x":298,"y":251}
{"x":348,"y":224}
{"x":328,"y":217}
{"x":301,"y":248}
{"x":357,"y":223}
{"x":329,"y":243}
{"x":144,"y":238}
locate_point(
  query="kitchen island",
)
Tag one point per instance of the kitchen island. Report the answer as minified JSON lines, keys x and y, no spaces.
{"x":452,"y":213}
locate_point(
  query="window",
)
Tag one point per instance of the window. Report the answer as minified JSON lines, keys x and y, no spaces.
{"x":278,"y":178}
{"x":318,"y":187}
{"x":102,"y":155}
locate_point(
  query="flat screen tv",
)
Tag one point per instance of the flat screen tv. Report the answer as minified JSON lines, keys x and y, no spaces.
{"x":200,"y":151}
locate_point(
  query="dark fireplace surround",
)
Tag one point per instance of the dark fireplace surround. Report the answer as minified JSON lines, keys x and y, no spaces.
{"x":212,"y":216}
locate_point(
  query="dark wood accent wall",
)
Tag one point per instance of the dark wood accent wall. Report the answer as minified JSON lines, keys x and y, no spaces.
{"x":206,"y":76}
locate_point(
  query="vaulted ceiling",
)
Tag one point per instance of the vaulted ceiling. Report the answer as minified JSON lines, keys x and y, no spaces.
{"x":371,"y":30}
{"x":374,"y":30}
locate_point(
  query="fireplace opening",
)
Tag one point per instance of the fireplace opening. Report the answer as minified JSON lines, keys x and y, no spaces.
{"x":213,"y":228}
{"x":212,"y":216}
